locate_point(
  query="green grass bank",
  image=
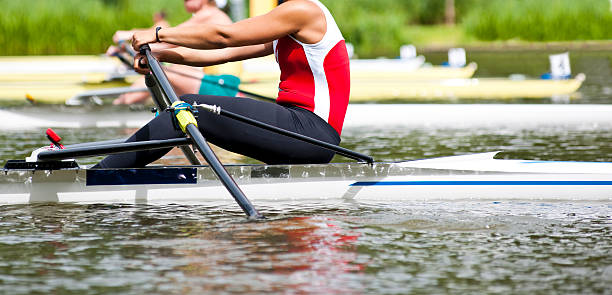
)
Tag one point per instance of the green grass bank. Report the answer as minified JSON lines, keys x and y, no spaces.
{"x":375,"y":27}
{"x":41,"y":27}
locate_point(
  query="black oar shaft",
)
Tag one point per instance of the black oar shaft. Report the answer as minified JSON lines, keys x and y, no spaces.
{"x":200,"y":142}
{"x":111,"y":148}
{"x":162,"y":103}
{"x":255,"y":95}
{"x":223,"y":175}
{"x":159,"y":99}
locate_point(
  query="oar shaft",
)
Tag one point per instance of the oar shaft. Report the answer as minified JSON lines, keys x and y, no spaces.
{"x":162,"y":103}
{"x":160,"y":77}
{"x":95,"y":143}
{"x":112,"y":148}
{"x":194,"y":133}
{"x":255,"y":95}
{"x":223,"y":175}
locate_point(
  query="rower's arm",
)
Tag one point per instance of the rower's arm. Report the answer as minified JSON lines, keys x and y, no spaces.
{"x":204,"y":58}
{"x":293,"y":17}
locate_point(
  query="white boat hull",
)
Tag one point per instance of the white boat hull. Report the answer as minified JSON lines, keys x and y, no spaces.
{"x":435,"y":179}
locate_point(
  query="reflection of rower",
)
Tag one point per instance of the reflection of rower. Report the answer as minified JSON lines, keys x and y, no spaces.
{"x":323,"y":253}
{"x":314,"y":87}
{"x":317,"y":255}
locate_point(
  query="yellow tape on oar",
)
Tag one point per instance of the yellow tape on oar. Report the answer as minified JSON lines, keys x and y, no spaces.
{"x":183,"y":114}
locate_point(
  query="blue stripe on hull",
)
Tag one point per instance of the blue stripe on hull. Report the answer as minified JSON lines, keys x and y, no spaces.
{"x":469,"y":182}
{"x":142,"y":176}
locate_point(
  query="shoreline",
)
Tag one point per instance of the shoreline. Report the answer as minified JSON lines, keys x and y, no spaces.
{"x":604,"y":45}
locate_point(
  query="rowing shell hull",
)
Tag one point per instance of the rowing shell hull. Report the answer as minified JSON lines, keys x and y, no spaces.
{"x":474,"y":177}
{"x":52,"y":92}
{"x":91,"y":69}
{"x":476,"y":88}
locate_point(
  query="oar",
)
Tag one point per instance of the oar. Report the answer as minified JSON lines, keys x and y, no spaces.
{"x":254,"y":95}
{"x":130,"y":51}
{"x":110,"y":147}
{"x":189,"y":126}
{"x":106,"y":92}
{"x":338,"y":149}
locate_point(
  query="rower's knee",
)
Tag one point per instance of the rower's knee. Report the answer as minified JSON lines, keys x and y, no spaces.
{"x":189,"y":98}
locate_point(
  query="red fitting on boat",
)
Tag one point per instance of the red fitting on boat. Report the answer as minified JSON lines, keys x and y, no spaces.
{"x":54,"y":138}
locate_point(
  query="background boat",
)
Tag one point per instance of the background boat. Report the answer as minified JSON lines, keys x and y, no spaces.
{"x":363,"y":90}
{"x":61,"y":68}
{"x":51,"y":92}
{"x":358,"y":116}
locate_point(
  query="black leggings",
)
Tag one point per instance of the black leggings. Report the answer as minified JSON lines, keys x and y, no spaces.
{"x":238,"y":137}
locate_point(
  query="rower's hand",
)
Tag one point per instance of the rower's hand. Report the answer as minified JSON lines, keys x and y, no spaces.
{"x":141,"y":64}
{"x":122,"y":36}
{"x":117,"y":49}
{"x":143,"y":37}
{"x":113,"y":50}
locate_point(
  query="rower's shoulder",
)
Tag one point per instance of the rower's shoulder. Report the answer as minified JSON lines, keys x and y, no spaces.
{"x":216,"y":16}
{"x":300,"y":9}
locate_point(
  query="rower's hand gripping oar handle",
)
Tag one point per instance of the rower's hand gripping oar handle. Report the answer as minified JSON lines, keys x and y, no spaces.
{"x":122,"y":44}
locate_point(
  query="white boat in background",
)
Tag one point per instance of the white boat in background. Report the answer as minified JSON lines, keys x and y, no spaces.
{"x":358,"y":116}
{"x":474,"y":177}
{"x":61,"y":68}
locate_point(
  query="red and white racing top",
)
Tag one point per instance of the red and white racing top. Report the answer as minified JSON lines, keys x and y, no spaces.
{"x":316,"y":76}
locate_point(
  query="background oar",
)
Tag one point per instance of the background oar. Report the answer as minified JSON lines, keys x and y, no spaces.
{"x":217,"y":83}
{"x":200,"y":142}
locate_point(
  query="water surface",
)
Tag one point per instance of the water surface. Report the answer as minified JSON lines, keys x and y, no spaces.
{"x":332,"y":247}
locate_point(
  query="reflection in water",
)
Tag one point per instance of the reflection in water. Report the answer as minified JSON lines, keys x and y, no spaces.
{"x":322,"y":248}
{"x":301,"y":254}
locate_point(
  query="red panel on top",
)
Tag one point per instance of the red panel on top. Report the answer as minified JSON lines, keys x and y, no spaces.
{"x":337,"y":71}
{"x":297,"y":86}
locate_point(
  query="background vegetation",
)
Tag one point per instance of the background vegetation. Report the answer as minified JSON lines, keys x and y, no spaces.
{"x":37,"y":27}
{"x":375,"y":27}
{"x":537,"y":20}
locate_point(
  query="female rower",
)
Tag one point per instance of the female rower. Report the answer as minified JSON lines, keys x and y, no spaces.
{"x":313,"y":91}
{"x":203,"y":12}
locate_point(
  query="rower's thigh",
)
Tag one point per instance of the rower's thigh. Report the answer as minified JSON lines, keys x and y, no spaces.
{"x":253,"y":141}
